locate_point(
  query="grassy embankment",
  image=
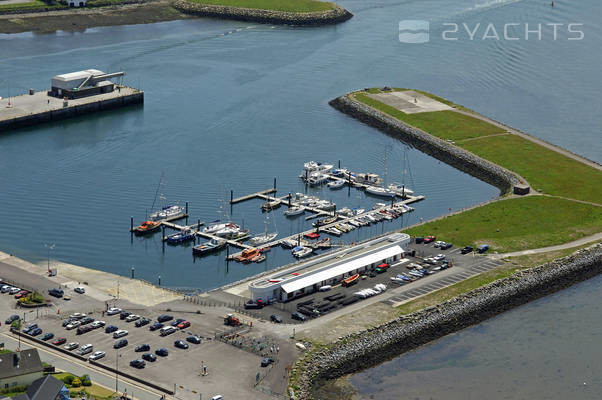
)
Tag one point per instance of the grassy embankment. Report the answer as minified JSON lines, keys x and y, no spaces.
{"x":32,"y":5}
{"x":298,"y":6}
{"x":516,"y":223}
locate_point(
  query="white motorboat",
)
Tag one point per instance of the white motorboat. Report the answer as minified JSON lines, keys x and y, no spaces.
{"x":380,"y":191}
{"x":301,"y":251}
{"x":290,"y":243}
{"x":378,"y":205}
{"x":317,"y":179}
{"x":324,"y":205}
{"x":292,"y":211}
{"x":333,"y":231}
{"x":358,"y":211}
{"x":313,"y":166}
{"x":347,"y":226}
{"x":339,"y":183}
{"x":346,"y":211}
{"x":217,"y":226}
{"x":340,"y":172}
{"x":401,"y":190}
{"x":367,"y":179}
{"x":353,"y":222}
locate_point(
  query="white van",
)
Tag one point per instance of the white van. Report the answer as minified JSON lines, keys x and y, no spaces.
{"x":167,"y":330}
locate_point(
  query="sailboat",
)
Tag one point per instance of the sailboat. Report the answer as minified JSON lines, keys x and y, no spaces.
{"x":265,"y":238}
{"x":379,"y":190}
{"x":167,"y":211}
{"x":401,"y":189}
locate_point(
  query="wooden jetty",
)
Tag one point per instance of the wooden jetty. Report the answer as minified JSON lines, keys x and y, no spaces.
{"x":250,"y":196}
{"x":163,"y":221}
{"x":232,"y":242}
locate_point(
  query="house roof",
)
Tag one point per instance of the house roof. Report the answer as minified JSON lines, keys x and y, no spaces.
{"x":46,"y":388}
{"x":20,"y":363}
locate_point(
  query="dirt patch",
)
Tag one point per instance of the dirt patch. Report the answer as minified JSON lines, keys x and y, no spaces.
{"x":80,"y":20}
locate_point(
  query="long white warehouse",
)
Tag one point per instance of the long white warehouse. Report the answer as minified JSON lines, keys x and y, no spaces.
{"x":329,"y":269}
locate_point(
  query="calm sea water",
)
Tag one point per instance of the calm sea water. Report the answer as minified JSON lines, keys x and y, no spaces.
{"x":231,"y":105}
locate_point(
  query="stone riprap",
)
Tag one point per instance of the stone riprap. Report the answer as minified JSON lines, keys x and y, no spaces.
{"x":371,"y":347}
{"x":455,"y":156}
{"x":334,"y":16}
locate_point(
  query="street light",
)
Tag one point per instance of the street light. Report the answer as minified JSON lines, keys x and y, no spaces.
{"x":49,"y":247}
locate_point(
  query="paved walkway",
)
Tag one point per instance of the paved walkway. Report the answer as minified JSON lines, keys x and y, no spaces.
{"x":575,"y":243}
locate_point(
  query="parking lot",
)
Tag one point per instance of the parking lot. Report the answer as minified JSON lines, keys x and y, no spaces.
{"x":459,"y":267}
{"x":180,"y":366}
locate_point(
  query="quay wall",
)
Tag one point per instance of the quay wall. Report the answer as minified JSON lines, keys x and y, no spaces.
{"x":503,"y":179}
{"x":72,"y":110}
{"x":329,"y":17}
{"x":371,"y":347}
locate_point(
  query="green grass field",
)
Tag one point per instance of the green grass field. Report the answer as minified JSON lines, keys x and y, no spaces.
{"x":545,"y":169}
{"x":517,"y":224}
{"x":448,"y":125}
{"x":299,"y":6}
{"x":32,"y":5}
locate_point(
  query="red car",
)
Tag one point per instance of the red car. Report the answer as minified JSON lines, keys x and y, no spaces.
{"x":59,"y":341}
{"x":22,"y":293}
{"x":429,"y":239}
{"x":312,"y":235}
{"x":183,"y":324}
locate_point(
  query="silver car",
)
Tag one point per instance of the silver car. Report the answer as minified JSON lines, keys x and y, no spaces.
{"x":97,"y":355}
{"x":71,"y":346}
{"x":120,"y":333}
{"x":85,"y":349}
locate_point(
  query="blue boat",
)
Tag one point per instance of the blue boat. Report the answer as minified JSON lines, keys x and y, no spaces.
{"x":180,"y":237}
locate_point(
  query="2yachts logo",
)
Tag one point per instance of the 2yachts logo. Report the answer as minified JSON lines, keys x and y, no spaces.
{"x":417,"y":31}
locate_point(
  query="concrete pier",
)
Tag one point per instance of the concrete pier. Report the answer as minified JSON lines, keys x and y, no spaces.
{"x":36,"y":108}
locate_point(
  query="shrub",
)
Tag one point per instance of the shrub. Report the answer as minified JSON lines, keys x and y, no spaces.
{"x":76,"y":382}
{"x":68,"y":379}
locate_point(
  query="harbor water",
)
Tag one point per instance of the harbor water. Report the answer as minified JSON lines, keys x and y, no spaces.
{"x":233,"y":105}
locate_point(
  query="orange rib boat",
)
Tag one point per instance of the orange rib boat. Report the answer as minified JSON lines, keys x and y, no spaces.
{"x":147,"y":227}
{"x":351,"y":280}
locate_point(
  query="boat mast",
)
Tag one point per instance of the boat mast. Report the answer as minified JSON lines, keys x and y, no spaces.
{"x":157,"y":191}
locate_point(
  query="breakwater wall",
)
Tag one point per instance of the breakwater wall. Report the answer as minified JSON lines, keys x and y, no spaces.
{"x":329,"y":17}
{"x":371,"y":347}
{"x":503,"y":179}
{"x":36,"y":111}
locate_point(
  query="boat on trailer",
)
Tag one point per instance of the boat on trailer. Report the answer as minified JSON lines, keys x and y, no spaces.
{"x":353,"y":279}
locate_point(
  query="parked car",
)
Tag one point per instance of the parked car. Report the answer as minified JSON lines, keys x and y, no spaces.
{"x":254,"y":305}
{"x":149,"y":357}
{"x":177,"y":321}
{"x":59,"y":341}
{"x":120,"y":343}
{"x":47,"y":336}
{"x":438,"y":243}
{"x":21,"y":294}
{"x":86,"y":320}
{"x":120,"y":333}
{"x":97,"y":355}
{"x":142,"y":322}
{"x":73,"y":324}
{"x":67,"y":322}
{"x":85,"y":349}
{"x":71,"y":346}
{"x":266,"y":361}
{"x":298,"y":316}
{"x":155,"y":326}
{"x":77,"y":315}
{"x":5,"y":288}
{"x":325,"y":288}
{"x":30,"y":327}
{"x":382,"y":268}
{"x":446,"y":246}
{"x":466,"y":250}
{"x":97,"y":324}
{"x":139,"y":363}
{"x":132,"y":317}
{"x":124,"y":314}
{"x":180,"y":344}
{"x":164,"y":318}
{"x":142,"y":347}
{"x":194,"y":339}
{"x":113,"y":311}
{"x":80,"y":290}
{"x":84,"y":329}
{"x":162,"y":352}
{"x":183,"y":325}
{"x":429,"y":239}
{"x":111,"y":329}
{"x":439,"y":257}
{"x":482,"y":248}
{"x":167,"y":330}
{"x":276,"y":318}
{"x":14,"y":290}
{"x":56,"y":292}
{"x":12,"y":319}
{"x":418,"y":239}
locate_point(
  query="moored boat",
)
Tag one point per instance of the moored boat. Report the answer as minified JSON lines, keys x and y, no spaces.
{"x":380,"y":191}
{"x":295,"y":210}
{"x":184,"y":235}
{"x":168,"y":212}
{"x":147,"y":227}
{"x":301,"y":251}
{"x":333,"y":231}
{"x":247,"y":254}
{"x":337,"y":184}
{"x":401,"y":190}
{"x":208,"y":247}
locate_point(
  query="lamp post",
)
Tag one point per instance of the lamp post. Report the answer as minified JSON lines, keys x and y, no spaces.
{"x":49,"y":247}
